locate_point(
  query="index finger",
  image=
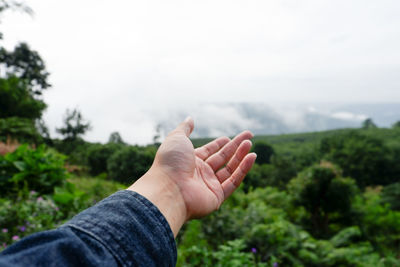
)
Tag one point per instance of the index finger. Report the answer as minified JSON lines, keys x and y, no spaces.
{"x":209,"y":149}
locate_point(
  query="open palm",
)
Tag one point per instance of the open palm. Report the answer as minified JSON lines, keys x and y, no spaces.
{"x":205,"y":176}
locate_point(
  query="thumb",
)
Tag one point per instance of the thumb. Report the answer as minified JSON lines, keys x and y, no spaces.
{"x":186,"y":126}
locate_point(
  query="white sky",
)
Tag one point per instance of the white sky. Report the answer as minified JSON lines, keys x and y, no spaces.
{"x":121,"y":62}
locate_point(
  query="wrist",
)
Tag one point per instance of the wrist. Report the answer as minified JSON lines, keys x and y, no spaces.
{"x":158,"y":188}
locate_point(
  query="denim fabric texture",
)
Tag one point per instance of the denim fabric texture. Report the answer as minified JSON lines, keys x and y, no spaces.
{"x":124,"y":229}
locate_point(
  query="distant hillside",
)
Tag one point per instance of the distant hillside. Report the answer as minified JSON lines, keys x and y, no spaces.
{"x":215,"y":119}
{"x":297,"y":143}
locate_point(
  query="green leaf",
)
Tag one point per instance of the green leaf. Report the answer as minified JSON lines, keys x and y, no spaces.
{"x":63,"y":198}
{"x":20,"y":165}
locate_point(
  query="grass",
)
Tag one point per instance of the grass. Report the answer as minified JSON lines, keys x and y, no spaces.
{"x":96,"y":187}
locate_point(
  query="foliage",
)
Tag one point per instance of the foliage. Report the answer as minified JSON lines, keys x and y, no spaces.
{"x":396,"y":124}
{"x":34,"y":169}
{"x":264,"y":152}
{"x":230,"y":254}
{"x":20,"y":129}
{"x":23,"y":78}
{"x":75,"y":150}
{"x":259,"y":222}
{"x":259,"y":176}
{"x":379,"y":224}
{"x":25,"y":216}
{"x":74,"y":125}
{"x":70,"y":199}
{"x":278,"y":173}
{"x":368,"y":124}
{"x":284,"y":170}
{"x":96,"y":188}
{"x":115,"y":138}
{"x":391,"y":196}
{"x":129,"y":163}
{"x":28,"y":66}
{"x":325,"y":195}
{"x":98,"y":156}
{"x":364,"y":158}
{"x":17,"y":101}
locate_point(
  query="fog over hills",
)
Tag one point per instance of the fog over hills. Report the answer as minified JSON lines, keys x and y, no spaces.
{"x":215,"y":119}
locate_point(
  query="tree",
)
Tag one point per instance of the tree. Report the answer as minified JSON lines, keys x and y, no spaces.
{"x":364,"y":158}
{"x":264,"y":152}
{"x":27,"y":65}
{"x":129,"y":163}
{"x":368,"y":124}
{"x":396,"y":125}
{"x":19,"y":111}
{"x":325,"y":195}
{"x":23,"y":62}
{"x":391,"y":194}
{"x":21,"y":130}
{"x":17,"y":101}
{"x":98,"y":156}
{"x":115,"y":138}
{"x":74,"y":125}
{"x":23,"y":77}
{"x":157,"y":136}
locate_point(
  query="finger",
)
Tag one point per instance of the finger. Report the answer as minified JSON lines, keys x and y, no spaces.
{"x":209,"y":149}
{"x":234,"y":162}
{"x":233,"y":182}
{"x":186,"y":126}
{"x":220,"y":158}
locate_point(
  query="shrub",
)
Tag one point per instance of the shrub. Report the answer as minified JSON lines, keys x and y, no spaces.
{"x":70,"y":199}
{"x":264,"y":152}
{"x":34,"y":169}
{"x":325,"y":195}
{"x":98,"y":156}
{"x":364,"y":158}
{"x":259,"y":176}
{"x":26,"y":216}
{"x":97,"y":187}
{"x":129,"y":163}
{"x":278,"y":173}
{"x":391,"y":195}
{"x":76,"y":150}
{"x":379,"y":224}
{"x":21,"y":129}
{"x":230,"y":254}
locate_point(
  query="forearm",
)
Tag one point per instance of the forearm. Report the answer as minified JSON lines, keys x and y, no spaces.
{"x":165,"y":195}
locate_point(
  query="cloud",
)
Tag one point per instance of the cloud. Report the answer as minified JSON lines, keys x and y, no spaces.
{"x":210,"y":119}
{"x":348,"y":116}
{"x":127,"y":64}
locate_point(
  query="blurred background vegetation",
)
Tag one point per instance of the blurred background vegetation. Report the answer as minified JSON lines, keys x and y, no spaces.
{"x":313,"y":199}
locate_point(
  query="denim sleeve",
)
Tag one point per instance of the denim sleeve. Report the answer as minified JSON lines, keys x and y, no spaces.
{"x":124,"y":229}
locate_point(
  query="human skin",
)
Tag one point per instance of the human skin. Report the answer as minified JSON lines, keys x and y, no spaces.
{"x":186,"y":183}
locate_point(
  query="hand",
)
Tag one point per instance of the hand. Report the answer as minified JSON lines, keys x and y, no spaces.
{"x":186,"y":183}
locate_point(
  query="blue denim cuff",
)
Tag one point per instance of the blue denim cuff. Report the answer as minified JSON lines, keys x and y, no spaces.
{"x":131,"y":228}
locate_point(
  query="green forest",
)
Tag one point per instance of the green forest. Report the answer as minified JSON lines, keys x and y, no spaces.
{"x":312,"y":199}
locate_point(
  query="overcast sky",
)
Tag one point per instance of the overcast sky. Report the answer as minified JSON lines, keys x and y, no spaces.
{"x":121,"y":62}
